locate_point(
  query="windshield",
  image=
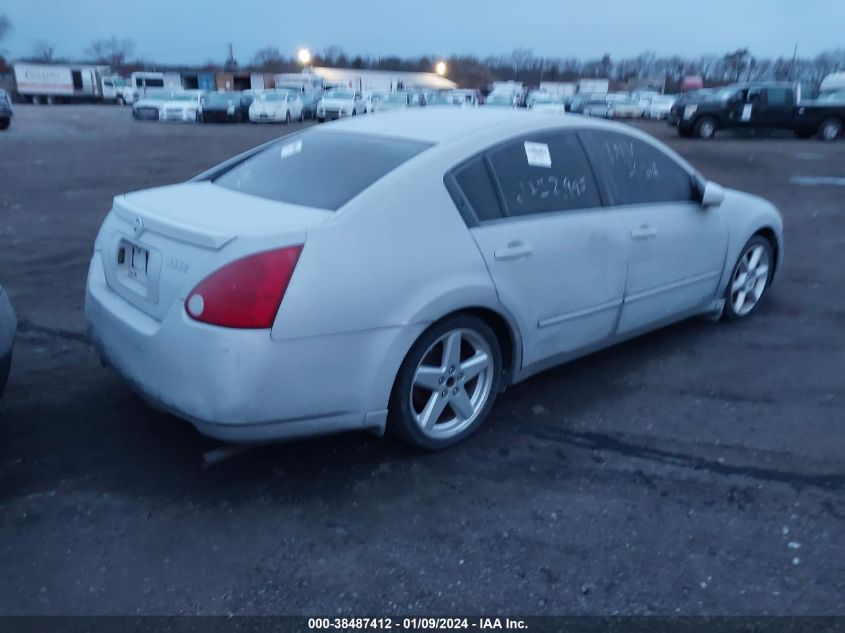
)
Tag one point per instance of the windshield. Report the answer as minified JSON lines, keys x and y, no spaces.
{"x":222,"y":98}
{"x":185,"y":96}
{"x":837,"y":96}
{"x":339,"y":94}
{"x":722,"y":94}
{"x":274,"y":96}
{"x":158,"y":96}
{"x":294,"y":169}
{"x":499,"y":100}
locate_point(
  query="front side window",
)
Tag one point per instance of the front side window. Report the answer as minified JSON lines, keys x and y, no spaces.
{"x":296,"y":170}
{"x":636,"y":172}
{"x":544,"y":174}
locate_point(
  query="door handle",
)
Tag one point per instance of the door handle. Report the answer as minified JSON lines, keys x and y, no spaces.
{"x":645,"y":232}
{"x":513,"y":251}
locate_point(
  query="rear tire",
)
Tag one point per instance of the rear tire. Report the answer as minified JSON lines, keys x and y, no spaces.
{"x":750,"y":279}
{"x":705,"y":127}
{"x":460,"y":357}
{"x":287,"y":117}
{"x":830,"y":129}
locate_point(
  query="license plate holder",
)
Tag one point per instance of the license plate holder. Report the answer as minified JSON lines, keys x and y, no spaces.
{"x":138,"y":263}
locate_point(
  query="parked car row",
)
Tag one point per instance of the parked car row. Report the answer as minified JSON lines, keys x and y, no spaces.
{"x":283,"y":105}
{"x":608,"y":106}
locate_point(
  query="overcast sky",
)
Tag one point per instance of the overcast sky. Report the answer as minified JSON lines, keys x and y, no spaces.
{"x":193,"y":31}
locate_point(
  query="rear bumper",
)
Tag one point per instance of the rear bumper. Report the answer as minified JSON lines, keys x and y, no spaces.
{"x":241,"y":385}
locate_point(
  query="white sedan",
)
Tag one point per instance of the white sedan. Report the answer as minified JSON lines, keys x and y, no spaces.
{"x":271,"y":297}
{"x":276,"y":106}
{"x":548,"y":104}
{"x":336,"y":104}
{"x":183,"y":106}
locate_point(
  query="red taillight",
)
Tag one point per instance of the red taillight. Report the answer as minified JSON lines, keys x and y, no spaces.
{"x":245,"y":293}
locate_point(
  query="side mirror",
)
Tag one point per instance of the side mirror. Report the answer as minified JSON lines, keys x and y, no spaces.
{"x":713,"y":194}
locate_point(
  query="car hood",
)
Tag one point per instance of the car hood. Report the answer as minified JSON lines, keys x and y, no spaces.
{"x":184,"y":105}
{"x":267,"y":106}
{"x":148,"y":103}
{"x":336,"y":103}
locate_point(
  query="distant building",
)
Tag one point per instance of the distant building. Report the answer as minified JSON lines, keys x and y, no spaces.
{"x":360,"y":79}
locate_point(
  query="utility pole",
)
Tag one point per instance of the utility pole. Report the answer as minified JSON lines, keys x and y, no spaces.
{"x":231,"y":54}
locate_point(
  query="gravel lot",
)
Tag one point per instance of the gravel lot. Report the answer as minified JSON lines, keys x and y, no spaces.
{"x":695,"y":470}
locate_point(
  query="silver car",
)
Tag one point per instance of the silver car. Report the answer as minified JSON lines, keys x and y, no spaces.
{"x":8,"y":326}
{"x":272,"y":297}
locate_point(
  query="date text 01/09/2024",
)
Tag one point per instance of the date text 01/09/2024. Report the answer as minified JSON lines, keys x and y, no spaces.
{"x":415,"y":623}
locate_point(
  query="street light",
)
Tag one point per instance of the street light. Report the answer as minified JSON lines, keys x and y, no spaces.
{"x":304,"y":56}
{"x":440,"y":68}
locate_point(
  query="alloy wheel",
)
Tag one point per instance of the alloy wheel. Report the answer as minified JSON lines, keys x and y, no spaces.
{"x":452,"y":383}
{"x":750,"y":279}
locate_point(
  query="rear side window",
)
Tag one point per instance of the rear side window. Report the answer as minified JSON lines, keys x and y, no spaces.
{"x":636,"y":172}
{"x":544,"y":174}
{"x":474,"y":182}
{"x":318,"y":169}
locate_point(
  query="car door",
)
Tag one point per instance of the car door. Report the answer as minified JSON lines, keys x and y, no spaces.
{"x":556,"y":257}
{"x":777,"y":107}
{"x":677,"y":247}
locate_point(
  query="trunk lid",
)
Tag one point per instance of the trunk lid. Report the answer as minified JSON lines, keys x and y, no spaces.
{"x":157,"y":244}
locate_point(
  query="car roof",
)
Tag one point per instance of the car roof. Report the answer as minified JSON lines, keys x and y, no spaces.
{"x":436,"y":125}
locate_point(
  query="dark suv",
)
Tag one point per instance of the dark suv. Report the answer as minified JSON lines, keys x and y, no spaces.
{"x":6,"y":109}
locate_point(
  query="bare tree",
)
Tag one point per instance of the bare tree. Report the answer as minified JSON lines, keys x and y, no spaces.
{"x":332,"y":54}
{"x":43,"y":51}
{"x":5,"y":26}
{"x":520,"y":58}
{"x":269,"y":59}
{"x":111,"y":51}
{"x":736,"y":62}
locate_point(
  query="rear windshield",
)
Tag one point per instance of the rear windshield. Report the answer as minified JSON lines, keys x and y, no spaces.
{"x":319,"y":169}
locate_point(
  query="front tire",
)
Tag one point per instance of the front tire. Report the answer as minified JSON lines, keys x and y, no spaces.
{"x":830,"y":129}
{"x":287,"y":117}
{"x":447,"y":383}
{"x":750,"y":279}
{"x":705,"y":127}
{"x":4,"y":123}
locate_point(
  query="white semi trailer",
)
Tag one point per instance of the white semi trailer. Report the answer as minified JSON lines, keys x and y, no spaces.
{"x":53,"y":83}
{"x":593,"y":86}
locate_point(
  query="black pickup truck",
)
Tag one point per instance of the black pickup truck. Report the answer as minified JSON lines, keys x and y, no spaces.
{"x":766,"y":105}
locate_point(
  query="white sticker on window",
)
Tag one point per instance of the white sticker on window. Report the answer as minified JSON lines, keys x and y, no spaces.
{"x":746,"y":111}
{"x":538,"y":154}
{"x":291,"y":148}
